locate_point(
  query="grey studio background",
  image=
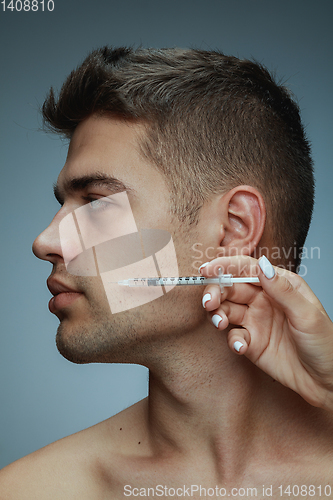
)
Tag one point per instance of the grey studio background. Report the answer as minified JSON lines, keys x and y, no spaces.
{"x":43,"y":397}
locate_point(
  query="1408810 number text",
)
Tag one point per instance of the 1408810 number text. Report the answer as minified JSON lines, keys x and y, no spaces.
{"x":27,"y":5}
{"x":295,"y":491}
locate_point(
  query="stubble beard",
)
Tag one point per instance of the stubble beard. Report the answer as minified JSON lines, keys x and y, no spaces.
{"x":138,"y":336}
{"x":93,"y":334}
{"x":96,"y":338}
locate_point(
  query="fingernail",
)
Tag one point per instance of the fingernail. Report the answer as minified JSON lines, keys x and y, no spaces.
{"x":266,"y":267}
{"x":238,"y":345}
{"x":216,"y":319}
{"x":203,"y":265}
{"x":206,"y":298}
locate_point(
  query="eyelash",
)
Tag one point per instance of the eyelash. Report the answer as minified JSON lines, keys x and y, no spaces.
{"x":97,"y":204}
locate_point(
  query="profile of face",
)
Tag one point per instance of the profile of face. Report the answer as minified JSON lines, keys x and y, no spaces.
{"x":114,"y":224}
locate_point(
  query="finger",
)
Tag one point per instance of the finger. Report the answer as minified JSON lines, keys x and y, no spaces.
{"x":238,"y":340}
{"x":301,"y":286}
{"x":241,"y":293}
{"x":234,"y":312}
{"x":211,"y":297}
{"x":244,"y":265}
{"x":219,"y":320}
{"x":228,"y":313}
{"x":238,"y":293}
{"x":302,"y":313}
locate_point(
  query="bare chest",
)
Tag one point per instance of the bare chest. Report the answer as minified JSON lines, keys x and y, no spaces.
{"x":197,"y":481}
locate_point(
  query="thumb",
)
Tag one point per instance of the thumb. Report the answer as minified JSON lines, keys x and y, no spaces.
{"x":299,"y":310}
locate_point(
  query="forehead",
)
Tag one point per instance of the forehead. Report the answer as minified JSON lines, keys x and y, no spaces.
{"x":111,"y":146}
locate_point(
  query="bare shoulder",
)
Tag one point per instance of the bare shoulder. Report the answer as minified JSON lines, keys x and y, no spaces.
{"x":72,"y":467}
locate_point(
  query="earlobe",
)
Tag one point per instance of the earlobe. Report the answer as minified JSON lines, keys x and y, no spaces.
{"x":244,"y":223}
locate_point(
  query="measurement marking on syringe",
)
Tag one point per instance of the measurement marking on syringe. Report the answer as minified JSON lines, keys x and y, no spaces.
{"x":223,"y":279}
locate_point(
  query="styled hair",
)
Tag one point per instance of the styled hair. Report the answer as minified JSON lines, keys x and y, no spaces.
{"x":213,"y":122}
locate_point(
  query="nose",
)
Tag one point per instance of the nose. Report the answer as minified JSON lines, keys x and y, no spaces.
{"x":47,"y":245}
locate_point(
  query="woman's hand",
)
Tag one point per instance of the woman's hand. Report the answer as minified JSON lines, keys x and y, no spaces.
{"x":281,"y":325}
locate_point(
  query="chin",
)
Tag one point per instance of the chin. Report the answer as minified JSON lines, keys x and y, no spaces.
{"x":71,"y":352}
{"x":80,"y":347}
{"x":96,"y":342}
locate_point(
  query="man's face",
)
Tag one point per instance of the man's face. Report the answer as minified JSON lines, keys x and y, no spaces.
{"x":104,"y":160}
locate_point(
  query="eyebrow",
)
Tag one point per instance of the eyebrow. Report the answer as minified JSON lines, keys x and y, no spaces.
{"x":77,"y":184}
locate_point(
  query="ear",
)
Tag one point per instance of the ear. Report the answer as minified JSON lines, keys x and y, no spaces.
{"x":244,"y":214}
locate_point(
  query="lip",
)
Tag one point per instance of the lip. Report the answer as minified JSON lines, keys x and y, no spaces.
{"x":63,"y":295}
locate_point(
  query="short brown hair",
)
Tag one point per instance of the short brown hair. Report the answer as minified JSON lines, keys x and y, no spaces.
{"x":213,"y":122}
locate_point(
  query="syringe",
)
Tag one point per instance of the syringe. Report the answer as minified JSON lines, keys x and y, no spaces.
{"x":222,"y":280}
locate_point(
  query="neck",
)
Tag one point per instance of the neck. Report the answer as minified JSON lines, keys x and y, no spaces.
{"x":205,"y":399}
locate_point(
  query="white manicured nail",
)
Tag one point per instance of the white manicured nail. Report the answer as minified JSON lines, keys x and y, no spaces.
{"x":238,"y":345}
{"x":216,"y":319}
{"x":203,"y":265}
{"x":266,"y":267}
{"x":206,"y":298}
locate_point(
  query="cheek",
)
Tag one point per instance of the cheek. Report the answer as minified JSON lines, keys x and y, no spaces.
{"x":181,"y":309}
{"x":189,"y":253}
